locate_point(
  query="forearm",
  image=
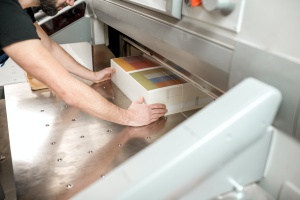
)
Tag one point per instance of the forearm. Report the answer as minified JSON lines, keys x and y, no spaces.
{"x":65,"y":59}
{"x":88,"y":100}
{"x":70,"y":64}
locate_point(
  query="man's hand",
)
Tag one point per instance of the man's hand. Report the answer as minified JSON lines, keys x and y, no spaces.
{"x":141,"y":114}
{"x":103,"y":75}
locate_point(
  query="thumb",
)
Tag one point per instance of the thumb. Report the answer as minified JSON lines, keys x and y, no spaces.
{"x":140,"y":100}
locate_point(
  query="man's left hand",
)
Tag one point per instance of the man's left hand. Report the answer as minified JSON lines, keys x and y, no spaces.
{"x":103,"y":75}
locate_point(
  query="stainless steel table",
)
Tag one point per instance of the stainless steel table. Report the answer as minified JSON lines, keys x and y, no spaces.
{"x":57,"y":150}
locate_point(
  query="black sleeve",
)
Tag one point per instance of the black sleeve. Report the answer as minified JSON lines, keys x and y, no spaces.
{"x":15,"y":23}
{"x":31,"y":14}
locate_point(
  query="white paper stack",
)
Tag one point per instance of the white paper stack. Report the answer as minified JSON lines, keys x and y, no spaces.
{"x":137,"y":76}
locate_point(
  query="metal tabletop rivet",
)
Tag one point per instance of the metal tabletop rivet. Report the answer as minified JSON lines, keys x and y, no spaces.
{"x":2,"y":158}
{"x":69,"y":186}
{"x":59,"y":160}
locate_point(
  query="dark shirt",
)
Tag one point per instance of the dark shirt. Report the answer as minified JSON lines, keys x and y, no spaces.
{"x":16,"y":24}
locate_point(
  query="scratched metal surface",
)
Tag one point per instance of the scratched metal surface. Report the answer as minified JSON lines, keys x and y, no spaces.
{"x":58,"y":150}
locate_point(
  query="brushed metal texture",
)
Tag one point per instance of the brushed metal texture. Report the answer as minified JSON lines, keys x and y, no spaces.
{"x":57,"y":150}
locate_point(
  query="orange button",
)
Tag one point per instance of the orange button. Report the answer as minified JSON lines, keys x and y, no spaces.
{"x":196,"y":3}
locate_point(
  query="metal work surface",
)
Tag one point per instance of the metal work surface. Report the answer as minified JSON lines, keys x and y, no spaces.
{"x":58,"y":150}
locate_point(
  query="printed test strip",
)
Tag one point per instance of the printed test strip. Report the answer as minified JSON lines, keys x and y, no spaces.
{"x":156,"y":78}
{"x":134,"y":63}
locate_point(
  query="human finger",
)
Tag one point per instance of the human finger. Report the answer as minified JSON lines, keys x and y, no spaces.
{"x":157,"y":115}
{"x":157,"y":106}
{"x":161,"y":111}
{"x":109,"y":70}
{"x":139,"y":101}
{"x":113,"y":70}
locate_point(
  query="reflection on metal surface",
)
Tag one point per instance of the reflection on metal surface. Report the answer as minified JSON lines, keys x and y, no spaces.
{"x":61,"y":21}
{"x":55,"y":156}
{"x":57,"y":150}
{"x":252,"y":191}
{"x":101,"y":57}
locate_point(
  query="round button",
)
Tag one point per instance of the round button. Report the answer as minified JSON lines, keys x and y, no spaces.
{"x":224,"y":6}
{"x":193,"y":3}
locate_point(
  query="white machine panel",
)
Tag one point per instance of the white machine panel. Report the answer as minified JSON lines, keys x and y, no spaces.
{"x":213,"y":15}
{"x":201,"y":153}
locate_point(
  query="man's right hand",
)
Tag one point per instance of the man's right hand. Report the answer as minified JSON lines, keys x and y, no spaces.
{"x":140,"y":114}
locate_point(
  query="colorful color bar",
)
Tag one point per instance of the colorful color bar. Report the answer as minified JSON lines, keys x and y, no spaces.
{"x":156,"y":78}
{"x":134,"y":63}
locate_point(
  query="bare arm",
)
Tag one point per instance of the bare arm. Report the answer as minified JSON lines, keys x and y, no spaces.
{"x":69,"y":63}
{"x":34,"y":58}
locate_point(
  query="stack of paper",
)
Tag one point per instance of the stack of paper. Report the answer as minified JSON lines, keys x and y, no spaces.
{"x":137,"y":76}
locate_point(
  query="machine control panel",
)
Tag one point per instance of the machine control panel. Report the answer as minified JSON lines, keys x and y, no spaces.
{"x":226,"y":14}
